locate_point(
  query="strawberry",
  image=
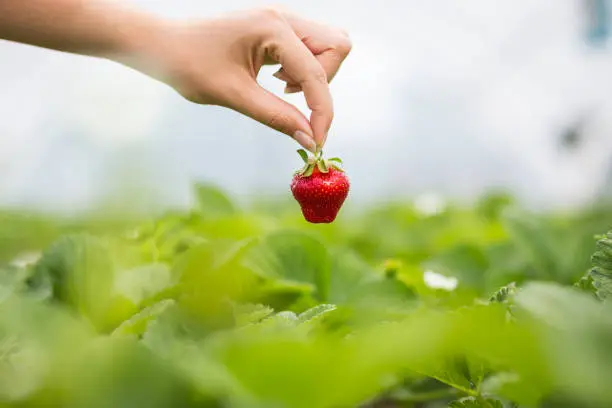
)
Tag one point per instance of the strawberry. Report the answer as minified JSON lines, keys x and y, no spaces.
{"x":320,"y":188}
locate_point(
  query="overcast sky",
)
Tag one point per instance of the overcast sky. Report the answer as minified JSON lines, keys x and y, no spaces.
{"x":437,"y":96}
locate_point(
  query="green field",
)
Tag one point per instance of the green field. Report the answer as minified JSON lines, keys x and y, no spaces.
{"x":234,"y":306}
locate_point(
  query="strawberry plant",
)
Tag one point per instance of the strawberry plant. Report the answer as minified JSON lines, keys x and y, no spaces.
{"x":227,"y":306}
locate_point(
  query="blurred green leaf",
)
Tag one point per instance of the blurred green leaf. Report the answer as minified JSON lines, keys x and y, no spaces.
{"x":587,"y":284}
{"x":574,"y":331}
{"x":213,"y":202}
{"x":505,"y":294}
{"x":532,"y":239}
{"x":255,"y":308}
{"x":143,"y":284}
{"x":249,"y":313}
{"x":82,"y":274}
{"x":122,"y":373}
{"x":137,"y":324}
{"x":292,"y":256}
{"x":315,"y":312}
{"x":38,"y":345}
{"x":476,"y":402}
{"x":467,"y":263}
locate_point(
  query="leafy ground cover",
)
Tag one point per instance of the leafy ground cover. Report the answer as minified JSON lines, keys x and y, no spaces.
{"x":222,"y":306}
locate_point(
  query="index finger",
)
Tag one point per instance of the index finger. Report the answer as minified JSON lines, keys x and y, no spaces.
{"x":301,"y":64}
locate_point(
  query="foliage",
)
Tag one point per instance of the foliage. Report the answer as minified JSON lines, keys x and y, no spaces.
{"x":223,"y":306}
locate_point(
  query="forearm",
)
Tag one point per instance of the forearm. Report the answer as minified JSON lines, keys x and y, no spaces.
{"x":89,"y":27}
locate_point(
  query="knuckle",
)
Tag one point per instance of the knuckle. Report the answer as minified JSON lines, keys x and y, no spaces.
{"x":318,"y":75}
{"x":271,"y":22}
{"x":271,"y":14}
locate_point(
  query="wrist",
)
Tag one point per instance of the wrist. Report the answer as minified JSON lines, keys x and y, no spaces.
{"x":135,"y":38}
{"x":161,"y":50}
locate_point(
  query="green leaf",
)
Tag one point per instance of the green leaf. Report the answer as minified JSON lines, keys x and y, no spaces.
{"x":335,"y":166}
{"x":12,"y":281}
{"x":605,"y":245}
{"x":137,"y":324}
{"x":602,"y":260}
{"x":383,"y":293}
{"x":575,"y":330}
{"x":504,"y":294}
{"x":172,"y":327}
{"x":322,"y":166}
{"x":282,"y":322}
{"x":144,"y":284}
{"x":134,"y":374}
{"x":601,"y":276}
{"x":476,"y":402}
{"x":35,"y":340}
{"x":292,"y":256}
{"x":249,"y":313}
{"x":303,"y":155}
{"x":534,"y":241}
{"x":285,"y":318}
{"x":601,"y":280}
{"x":349,"y":274}
{"x":512,"y":387}
{"x":285,"y":294}
{"x":212,"y":202}
{"x":464,"y":374}
{"x":315,"y":312}
{"x":557,"y":305}
{"x":211,"y":276}
{"x":587,"y":284}
{"x":468,"y":263}
{"x":38,"y":284}
{"x":336,"y":159}
{"x":309,"y":170}
{"x":82,"y":273}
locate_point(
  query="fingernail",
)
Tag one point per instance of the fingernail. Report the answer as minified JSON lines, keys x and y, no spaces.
{"x":305,"y":140}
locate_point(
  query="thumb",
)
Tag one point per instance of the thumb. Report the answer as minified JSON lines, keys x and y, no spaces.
{"x":260,"y":104}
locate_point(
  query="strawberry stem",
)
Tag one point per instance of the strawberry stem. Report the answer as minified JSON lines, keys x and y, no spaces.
{"x":317,"y":161}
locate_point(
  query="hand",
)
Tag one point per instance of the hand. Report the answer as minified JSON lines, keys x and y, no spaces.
{"x":217,"y":62}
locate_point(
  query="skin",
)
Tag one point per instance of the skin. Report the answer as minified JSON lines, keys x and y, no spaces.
{"x":214,"y":61}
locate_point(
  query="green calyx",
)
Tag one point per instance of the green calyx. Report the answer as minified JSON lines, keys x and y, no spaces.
{"x":317,"y":160}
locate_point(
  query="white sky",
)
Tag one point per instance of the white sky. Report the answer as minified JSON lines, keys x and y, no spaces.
{"x":443,"y":96}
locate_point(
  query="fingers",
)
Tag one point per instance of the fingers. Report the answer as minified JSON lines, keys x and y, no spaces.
{"x":300,"y":64}
{"x":259,"y":104}
{"x":329,"y":45}
{"x":291,"y":86}
{"x":330,"y":59}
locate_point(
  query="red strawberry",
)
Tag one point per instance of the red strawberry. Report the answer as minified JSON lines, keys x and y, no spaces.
{"x":320,"y":188}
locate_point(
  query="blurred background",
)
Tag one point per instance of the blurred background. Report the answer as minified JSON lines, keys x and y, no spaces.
{"x":441,"y":98}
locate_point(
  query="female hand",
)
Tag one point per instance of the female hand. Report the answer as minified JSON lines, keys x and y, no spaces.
{"x":217,"y":62}
{"x":212,"y":61}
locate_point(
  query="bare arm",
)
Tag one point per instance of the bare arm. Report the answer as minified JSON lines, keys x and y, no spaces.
{"x":96,"y":28}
